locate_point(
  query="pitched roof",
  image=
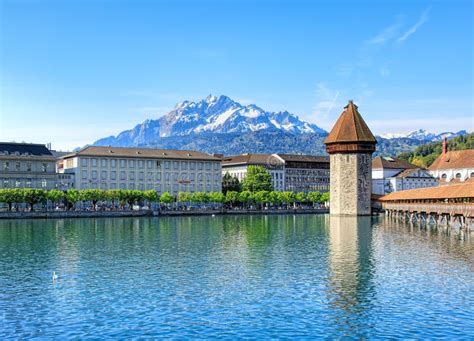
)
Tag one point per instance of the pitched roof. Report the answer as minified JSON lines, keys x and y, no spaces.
{"x":464,"y":190}
{"x":24,"y":149}
{"x":143,"y":153}
{"x":350,"y":127}
{"x":407,"y":173}
{"x":391,"y":163}
{"x":252,"y":159}
{"x":304,"y":158}
{"x":454,"y":159}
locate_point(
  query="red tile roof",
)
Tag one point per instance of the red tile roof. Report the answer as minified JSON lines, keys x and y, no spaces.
{"x":350,"y":127}
{"x":462,"y":190}
{"x":454,"y":160}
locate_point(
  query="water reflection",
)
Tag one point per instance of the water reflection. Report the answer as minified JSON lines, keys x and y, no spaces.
{"x":351,"y":269}
{"x":282,"y":276}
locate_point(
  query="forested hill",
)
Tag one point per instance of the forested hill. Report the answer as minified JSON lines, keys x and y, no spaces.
{"x":425,"y":154}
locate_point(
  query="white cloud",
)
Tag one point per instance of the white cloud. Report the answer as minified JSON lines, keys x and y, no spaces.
{"x":423,"y":18}
{"x":326,"y":102}
{"x":386,"y":34}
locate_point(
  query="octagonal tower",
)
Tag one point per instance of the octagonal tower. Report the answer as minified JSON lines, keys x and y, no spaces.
{"x":350,"y":145}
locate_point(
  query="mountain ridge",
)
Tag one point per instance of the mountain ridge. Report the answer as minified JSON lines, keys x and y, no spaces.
{"x":221,"y":125}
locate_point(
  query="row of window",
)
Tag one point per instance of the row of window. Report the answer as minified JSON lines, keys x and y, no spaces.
{"x":19,"y":166}
{"x":158,"y":187}
{"x":21,"y":183}
{"x":122,"y":175}
{"x":150,"y":164}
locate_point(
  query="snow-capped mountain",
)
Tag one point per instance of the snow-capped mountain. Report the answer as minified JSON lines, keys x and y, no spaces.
{"x":424,"y":135}
{"x":211,"y":115}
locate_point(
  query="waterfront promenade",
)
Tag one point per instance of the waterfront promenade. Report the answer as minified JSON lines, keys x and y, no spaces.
{"x":160,"y":212}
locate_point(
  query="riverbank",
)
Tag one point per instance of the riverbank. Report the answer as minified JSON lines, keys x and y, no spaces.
{"x":143,"y":213}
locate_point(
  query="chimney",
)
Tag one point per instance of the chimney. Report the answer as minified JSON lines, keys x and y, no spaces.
{"x":445,"y":145}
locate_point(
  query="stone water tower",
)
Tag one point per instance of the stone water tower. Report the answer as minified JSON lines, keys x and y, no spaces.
{"x":350,"y":145}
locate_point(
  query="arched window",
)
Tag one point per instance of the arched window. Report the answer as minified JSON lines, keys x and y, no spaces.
{"x":444,"y":176}
{"x":458,"y":175}
{"x":472,"y":175}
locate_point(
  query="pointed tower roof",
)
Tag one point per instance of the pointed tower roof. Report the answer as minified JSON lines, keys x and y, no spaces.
{"x":350,"y":131}
{"x":350,"y":127}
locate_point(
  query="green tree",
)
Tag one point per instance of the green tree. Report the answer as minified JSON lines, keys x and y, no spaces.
{"x":151,"y":196}
{"x":287,"y":197}
{"x":10,"y":196}
{"x":72,"y":197}
{"x":216,"y":197}
{"x":199,"y":197}
{"x":301,"y":197}
{"x":314,"y":197}
{"x":325,"y":197}
{"x":166,"y":198}
{"x":184,"y":197}
{"x":33,"y":196}
{"x":262,"y":197}
{"x":245,"y":197}
{"x":92,"y":195}
{"x":55,"y":196}
{"x":257,"y":179}
{"x":232,"y":197}
{"x":230,"y":183}
{"x":274,"y":198}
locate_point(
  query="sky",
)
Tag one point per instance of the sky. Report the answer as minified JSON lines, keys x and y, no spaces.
{"x":72,"y":72}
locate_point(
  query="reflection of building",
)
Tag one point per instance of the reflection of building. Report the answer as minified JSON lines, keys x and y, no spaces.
{"x":390,"y":174}
{"x":350,"y":260}
{"x":456,"y":166}
{"x":142,"y":168}
{"x":296,"y":173}
{"x":350,"y":145}
{"x":26,"y":165}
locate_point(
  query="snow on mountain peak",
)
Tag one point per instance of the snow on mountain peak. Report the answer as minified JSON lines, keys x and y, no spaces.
{"x":424,"y":135}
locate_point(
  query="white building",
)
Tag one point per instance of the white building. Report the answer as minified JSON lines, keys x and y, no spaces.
{"x":296,"y":173}
{"x":453,"y":166}
{"x":26,"y":165}
{"x":391,"y":174}
{"x":143,"y":168}
{"x":411,"y":179}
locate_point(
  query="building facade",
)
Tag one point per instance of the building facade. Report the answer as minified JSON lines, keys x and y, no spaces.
{"x":453,"y":166}
{"x":306,"y":173}
{"x":296,"y":173}
{"x":26,"y":165}
{"x":390,"y":174}
{"x":350,"y":145}
{"x":142,"y":169}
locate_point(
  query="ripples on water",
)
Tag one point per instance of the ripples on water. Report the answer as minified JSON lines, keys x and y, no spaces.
{"x":253,"y":276}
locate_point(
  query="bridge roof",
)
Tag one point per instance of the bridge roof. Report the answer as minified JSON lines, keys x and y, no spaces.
{"x":462,"y":190}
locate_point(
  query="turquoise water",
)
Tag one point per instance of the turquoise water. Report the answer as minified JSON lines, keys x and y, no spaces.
{"x":296,"y":276}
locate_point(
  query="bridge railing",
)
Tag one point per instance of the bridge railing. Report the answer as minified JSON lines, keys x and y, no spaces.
{"x":466,"y":210}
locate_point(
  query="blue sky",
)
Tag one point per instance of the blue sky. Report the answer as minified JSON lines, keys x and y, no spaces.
{"x":75,"y":71}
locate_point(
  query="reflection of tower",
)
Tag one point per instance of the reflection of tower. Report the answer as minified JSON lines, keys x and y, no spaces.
{"x":350,"y":145}
{"x":350,"y":261}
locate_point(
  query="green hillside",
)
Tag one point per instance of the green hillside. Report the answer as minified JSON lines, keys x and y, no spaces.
{"x":425,"y":155}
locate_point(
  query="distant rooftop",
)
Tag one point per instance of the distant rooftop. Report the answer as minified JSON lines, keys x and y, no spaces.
{"x":391,"y":163}
{"x":24,"y":149}
{"x":142,"y":153}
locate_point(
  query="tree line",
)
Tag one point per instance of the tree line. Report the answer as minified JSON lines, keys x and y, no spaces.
{"x":119,"y":198}
{"x":426,"y":154}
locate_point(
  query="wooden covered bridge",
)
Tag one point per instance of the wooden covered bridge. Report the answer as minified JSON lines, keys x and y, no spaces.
{"x":451,"y":205}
